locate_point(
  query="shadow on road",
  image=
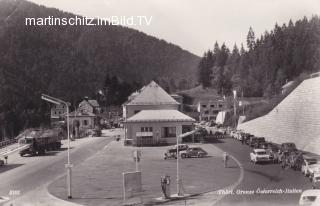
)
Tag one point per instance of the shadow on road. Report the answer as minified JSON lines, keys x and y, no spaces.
{"x":8,"y":167}
{"x":270,"y":177}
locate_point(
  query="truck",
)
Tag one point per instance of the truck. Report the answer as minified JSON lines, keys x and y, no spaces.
{"x":40,"y":141}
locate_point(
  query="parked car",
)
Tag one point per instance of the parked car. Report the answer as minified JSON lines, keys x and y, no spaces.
{"x":316,"y":181}
{"x":233,"y":133}
{"x":252,"y":141}
{"x":259,"y":142}
{"x":288,"y":147}
{"x":181,"y":147}
{"x":307,"y":162}
{"x":170,"y":154}
{"x":313,"y":169}
{"x":259,"y":155}
{"x":309,"y":197}
{"x":193,"y":152}
{"x":272,"y":150}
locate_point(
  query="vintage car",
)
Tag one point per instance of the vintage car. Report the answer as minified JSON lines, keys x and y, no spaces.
{"x":316,"y":181}
{"x":272,"y":150}
{"x":170,"y":154}
{"x":252,"y":141}
{"x":310,"y":197}
{"x":259,"y":142}
{"x":288,"y":147}
{"x":259,"y":155}
{"x":181,"y":147}
{"x":307,"y":162}
{"x":193,"y":152}
{"x":313,"y":169}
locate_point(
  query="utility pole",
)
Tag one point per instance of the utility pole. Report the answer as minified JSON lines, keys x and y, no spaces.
{"x":235,"y":108}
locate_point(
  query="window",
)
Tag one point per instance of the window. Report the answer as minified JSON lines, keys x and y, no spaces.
{"x":212,"y":105}
{"x":146,"y":129}
{"x":220,"y":105}
{"x":85,"y":122}
{"x":206,"y":112}
{"x":204,"y":106}
{"x":169,"y":132}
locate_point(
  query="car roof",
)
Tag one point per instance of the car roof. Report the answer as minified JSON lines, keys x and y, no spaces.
{"x":259,"y":150}
{"x":316,"y":174}
{"x":311,"y":192}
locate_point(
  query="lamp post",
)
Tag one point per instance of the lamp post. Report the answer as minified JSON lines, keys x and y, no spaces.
{"x":235,"y":108}
{"x":68,"y":165}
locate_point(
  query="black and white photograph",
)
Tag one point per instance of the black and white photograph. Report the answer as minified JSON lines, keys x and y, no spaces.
{"x":159,"y":102}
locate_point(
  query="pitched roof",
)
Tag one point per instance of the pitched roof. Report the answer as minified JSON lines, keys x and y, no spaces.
{"x":152,"y":94}
{"x":94,"y":103}
{"x":91,"y":102}
{"x":160,"y":116}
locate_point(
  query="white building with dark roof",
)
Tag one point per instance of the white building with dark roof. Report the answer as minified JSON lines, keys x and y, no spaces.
{"x":150,"y":97}
{"x":152,"y":118}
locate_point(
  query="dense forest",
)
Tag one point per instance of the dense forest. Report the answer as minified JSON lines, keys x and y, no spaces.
{"x":71,"y":62}
{"x":267,"y":62}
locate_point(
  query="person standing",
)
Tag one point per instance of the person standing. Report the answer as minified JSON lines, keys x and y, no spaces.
{"x":225,"y":159}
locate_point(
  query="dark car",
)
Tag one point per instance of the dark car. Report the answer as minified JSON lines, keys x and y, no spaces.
{"x":181,"y":147}
{"x":252,"y":141}
{"x":273,"y":151}
{"x":193,"y":152}
{"x":170,"y":154}
{"x":259,"y":142}
{"x":288,"y":147}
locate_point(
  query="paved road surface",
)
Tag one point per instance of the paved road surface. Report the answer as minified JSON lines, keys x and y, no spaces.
{"x":263,"y":176}
{"x":24,"y":174}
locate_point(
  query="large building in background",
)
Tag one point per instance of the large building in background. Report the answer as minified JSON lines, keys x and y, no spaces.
{"x":152,"y":117}
{"x":209,"y":109}
{"x":295,"y":119}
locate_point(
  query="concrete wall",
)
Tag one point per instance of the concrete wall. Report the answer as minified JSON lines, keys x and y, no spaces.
{"x":133,"y":128}
{"x":296,"y":119}
{"x":130,"y":109}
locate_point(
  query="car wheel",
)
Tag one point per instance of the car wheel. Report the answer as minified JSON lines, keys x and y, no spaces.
{"x":200,"y":155}
{"x":183,"y":156}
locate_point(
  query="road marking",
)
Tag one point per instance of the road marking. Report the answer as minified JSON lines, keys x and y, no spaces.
{"x":234,"y":185}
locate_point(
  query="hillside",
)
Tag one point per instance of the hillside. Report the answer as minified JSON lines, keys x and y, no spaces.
{"x":73,"y":61}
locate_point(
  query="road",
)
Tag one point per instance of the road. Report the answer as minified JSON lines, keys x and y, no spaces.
{"x":25,"y":174}
{"x":263,"y":176}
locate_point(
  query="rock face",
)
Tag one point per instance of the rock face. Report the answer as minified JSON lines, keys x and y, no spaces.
{"x":296,"y":119}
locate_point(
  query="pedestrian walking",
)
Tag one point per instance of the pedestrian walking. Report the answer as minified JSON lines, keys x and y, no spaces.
{"x":225,"y":159}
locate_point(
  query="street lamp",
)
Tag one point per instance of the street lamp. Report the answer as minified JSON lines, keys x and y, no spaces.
{"x":68,"y":166}
{"x":234,"y":107}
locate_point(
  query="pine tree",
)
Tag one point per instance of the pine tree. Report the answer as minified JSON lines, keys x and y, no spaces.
{"x":250,"y":39}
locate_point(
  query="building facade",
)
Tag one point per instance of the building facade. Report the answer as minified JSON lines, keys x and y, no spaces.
{"x":155,"y":127}
{"x":151,"y":117}
{"x":209,"y":109}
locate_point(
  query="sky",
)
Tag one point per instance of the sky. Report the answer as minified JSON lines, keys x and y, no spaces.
{"x":195,"y":25}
